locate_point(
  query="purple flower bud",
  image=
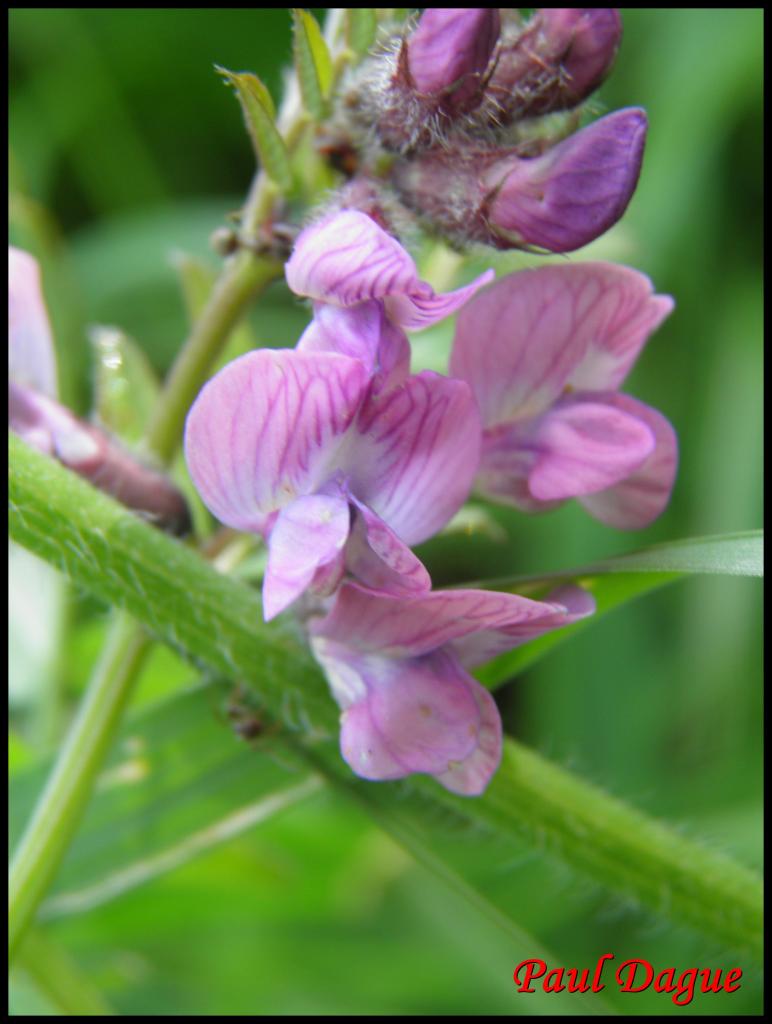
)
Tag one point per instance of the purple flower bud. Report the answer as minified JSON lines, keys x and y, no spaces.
{"x":449,"y":51}
{"x":558,"y":58}
{"x":440,"y":74}
{"x":559,"y":200}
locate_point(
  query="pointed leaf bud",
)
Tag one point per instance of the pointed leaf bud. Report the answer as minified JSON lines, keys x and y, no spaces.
{"x":559,"y":58}
{"x":559,"y":201}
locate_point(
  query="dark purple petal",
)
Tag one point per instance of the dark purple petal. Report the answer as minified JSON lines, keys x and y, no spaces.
{"x":308,"y":535}
{"x":554,"y":62}
{"x":31,"y":358}
{"x":575,"y":191}
{"x":415,"y":454}
{"x":450,"y":49}
{"x":267,"y":430}
{"x":641,"y":497}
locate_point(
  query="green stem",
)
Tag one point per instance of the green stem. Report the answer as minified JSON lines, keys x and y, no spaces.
{"x":59,"y":979}
{"x":243,"y":278}
{"x":69,"y":786}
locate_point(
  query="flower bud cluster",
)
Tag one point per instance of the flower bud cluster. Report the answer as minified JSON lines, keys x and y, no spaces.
{"x":461,"y":101}
{"x":341,"y":459}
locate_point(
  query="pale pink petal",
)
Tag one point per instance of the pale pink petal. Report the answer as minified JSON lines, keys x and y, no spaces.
{"x":471,"y":776}
{"x":521,"y":342}
{"x":642,"y":497}
{"x":569,"y":603}
{"x":377,"y":557}
{"x":308,"y":535}
{"x":505,"y":465}
{"x":408,"y":715}
{"x":412,"y":626}
{"x":584,"y":444}
{"x":266,"y":429}
{"x":31,"y":358}
{"x":363,"y":332}
{"x":416,"y":311}
{"x":346,"y":258}
{"x":415,"y":453}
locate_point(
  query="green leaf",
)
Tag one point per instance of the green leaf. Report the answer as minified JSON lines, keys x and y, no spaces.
{"x":125,"y":385}
{"x":216,"y":623}
{"x":361,"y":25}
{"x":615,"y":581}
{"x":313,"y":64}
{"x":259,"y":116}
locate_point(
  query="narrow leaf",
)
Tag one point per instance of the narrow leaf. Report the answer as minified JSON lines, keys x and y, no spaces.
{"x":125,"y":386}
{"x":312,"y":63}
{"x":361,"y":25}
{"x":259,"y":114}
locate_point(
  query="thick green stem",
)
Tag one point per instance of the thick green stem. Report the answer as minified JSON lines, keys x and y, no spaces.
{"x":69,"y":786}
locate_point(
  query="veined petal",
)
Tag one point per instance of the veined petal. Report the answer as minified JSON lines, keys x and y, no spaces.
{"x":31,"y":358}
{"x":640,"y":498}
{"x":505,"y":465}
{"x":519,"y":343}
{"x":412,"y":626}
{"x":569,"y":603}
{"x":266,"y":428}
{"x":377,"y":557}
{"x":308,"y":535}
{"x":585,"y":444}
{"x":363,"y":332}
{"x":345,"y":258}
{"x":414,"y":454}
{"x":417,"y":311}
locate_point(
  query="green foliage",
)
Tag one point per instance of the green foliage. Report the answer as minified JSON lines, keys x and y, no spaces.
{"x":260,"y":116}
{"x":312,"y":63}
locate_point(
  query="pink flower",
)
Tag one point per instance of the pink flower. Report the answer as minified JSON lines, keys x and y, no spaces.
{"x":346,"y":259}
{"x":397,"y":666}
{"x":298,"y":447}
{"x":545,"y":352}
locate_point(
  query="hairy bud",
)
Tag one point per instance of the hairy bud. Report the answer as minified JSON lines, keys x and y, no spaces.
{"x":552,"y":63}
{"x":558,"y":201}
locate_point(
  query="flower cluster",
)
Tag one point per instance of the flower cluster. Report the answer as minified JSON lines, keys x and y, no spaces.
{"x":478,"y":106}
{"x":342,"y":459}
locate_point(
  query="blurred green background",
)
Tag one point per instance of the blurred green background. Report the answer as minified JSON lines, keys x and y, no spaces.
{"x":126,"y":147}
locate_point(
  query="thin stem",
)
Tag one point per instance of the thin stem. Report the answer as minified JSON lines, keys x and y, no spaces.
{"x":243,"y":278}
{"x":69,"y":786}
{"x":65,"y":986}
